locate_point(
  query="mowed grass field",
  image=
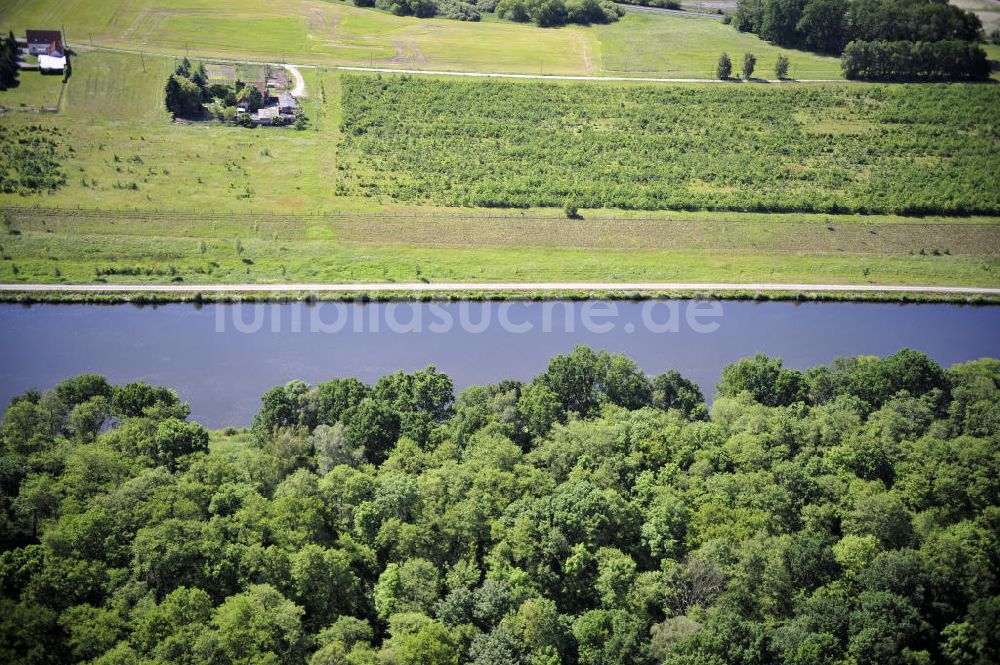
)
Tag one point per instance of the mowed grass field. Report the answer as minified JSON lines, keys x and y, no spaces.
{"x":646,"y":44}
{"x":117,"y":133}
{"x":309,"y":31}
{"x":150,"y":247}
{"x":226,"y":204}
{"x":337,"y":33}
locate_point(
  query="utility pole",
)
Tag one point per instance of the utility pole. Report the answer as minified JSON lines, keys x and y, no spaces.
{"x":143,"y":58}
{"x":91,"y":38}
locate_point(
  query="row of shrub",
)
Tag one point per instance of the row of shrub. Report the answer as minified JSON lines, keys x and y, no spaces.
{"x":544,"y":13}
{"x":911,"y":61}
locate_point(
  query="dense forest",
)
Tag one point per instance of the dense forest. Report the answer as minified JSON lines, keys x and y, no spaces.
{"x":898,"y":39}
{"x":845,"y":515}
{"x":828,"y":25}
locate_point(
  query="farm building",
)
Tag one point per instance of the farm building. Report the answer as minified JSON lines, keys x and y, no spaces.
{"x":45,"y":42}
{"x":52,"y":64}
{"x":287,"y":103}
{"x":266,"y":116}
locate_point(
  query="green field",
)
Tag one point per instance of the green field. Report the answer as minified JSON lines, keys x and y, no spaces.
{"x":308,"y":31}
{"x":155,"y":247}
{"x":900,"y":149}
{"x":33,"y":92}
{"x":114,"y":121}
{"x":683,"y":47}
{"x":204,"y":192}
{"x":314,"y":31}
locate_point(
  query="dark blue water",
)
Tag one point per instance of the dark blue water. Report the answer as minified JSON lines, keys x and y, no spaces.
{"x":221,"y":358}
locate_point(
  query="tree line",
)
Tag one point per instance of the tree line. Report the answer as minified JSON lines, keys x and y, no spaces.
{"x":911,"y":61}
{"x":848,"y":514}
{"x":724,"y":68}
{"x":899,"y":39}
{"x":544,"y":13}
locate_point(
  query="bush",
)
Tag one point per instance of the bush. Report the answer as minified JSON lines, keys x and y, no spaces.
{"x":781,"y":66}
{"x":586,"y":12}
{"x":458,"y":10}
{"x":725,"y":67}
{"x":547,"y":13}
{"x":749,"y":63}
{"x":663,"y":4}
{"x":418,"y":8}
{"x":513,"y":10}
{"x":571,"y":210}
{"x":544,"y":13}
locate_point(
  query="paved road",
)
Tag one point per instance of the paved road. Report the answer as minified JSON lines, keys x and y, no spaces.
{"x":496,"y":286}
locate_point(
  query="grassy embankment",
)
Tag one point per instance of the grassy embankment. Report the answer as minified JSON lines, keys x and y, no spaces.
{"x":115,"y":133}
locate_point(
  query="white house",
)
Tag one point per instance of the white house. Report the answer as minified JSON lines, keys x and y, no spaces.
{"x":44,"y":42}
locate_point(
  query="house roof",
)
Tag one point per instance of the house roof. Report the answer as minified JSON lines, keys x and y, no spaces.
{"x":44,"y":36}
{"x":286,"y":99}
{"x":51,"y":62}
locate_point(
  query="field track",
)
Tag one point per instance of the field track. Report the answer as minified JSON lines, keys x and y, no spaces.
{"x":559,"y":77}
{"x":428,"y":72}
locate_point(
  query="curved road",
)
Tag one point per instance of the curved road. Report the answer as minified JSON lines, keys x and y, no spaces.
{"x":496,"y":286}
{"x":299,"y":90}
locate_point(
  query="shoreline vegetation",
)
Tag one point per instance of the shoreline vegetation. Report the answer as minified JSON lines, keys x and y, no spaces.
{"x":362,"y":296}
{"x":592,"y":515}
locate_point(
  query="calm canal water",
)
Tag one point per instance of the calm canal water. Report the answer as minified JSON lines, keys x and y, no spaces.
{"x":221,"y":358}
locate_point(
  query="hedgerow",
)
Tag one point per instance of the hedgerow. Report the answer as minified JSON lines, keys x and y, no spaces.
{"x":915,"y":149}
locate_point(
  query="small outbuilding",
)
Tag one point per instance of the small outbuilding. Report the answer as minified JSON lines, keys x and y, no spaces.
{"x":52,"y":64}
{"x":265,"y":116}
{"x":287,"y":103}
{"x":45,"y":42}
